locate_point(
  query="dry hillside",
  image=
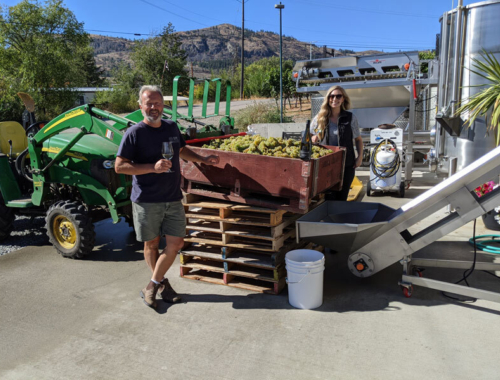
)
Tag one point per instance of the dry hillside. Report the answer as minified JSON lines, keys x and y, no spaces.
{"x":213,"y":48}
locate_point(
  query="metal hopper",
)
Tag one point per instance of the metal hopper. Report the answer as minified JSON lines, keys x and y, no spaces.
{"x":343,"y":226}
{"x":377,"y":236}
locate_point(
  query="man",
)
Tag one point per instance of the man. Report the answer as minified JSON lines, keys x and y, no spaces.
{"x":156,"y":195}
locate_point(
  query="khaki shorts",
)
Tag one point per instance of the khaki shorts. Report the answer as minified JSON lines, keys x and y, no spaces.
{"x":157,"y":219}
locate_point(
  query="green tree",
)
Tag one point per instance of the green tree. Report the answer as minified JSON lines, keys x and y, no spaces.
{"x":260,"y":77}
{"x":125,"y":94}
{"x":225,"y":76}
{"x":150,"y":55}
{"x":273,"y":81}
{"x":45,"y":52}
{"x":425,"y":55}
{"x":93,"y":75}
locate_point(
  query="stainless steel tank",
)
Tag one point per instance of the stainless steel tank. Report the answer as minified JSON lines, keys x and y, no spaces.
{"x":465,"y":32}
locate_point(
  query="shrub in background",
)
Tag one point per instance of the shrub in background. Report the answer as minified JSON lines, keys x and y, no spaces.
{"x":118,"y":100}
{"x":258,"y":113}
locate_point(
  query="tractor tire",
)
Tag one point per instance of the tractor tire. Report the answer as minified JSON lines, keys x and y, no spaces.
{"x":70,"y":229}
{"x":7,"y":218}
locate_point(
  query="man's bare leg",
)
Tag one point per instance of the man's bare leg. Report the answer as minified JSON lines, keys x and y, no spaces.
{"x":151,"y":252}
{"x":167,"y":257}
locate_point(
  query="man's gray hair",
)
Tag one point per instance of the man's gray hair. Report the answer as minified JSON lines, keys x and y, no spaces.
{"x":150,"y":89}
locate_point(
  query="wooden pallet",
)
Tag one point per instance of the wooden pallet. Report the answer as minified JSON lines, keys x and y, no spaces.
{"x":243,"y":270}
{"x":218,"y":266}
{"x":232,"y":241}
{"x":242,"y":229}
{"x":239,"y":226}
{"x":248,"y":257}
{"x":238,"y":245}
{"x":254,"y":285}
{"x":233,"y":213}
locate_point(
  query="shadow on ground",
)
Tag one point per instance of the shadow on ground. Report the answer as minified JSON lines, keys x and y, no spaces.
{"x":344,"y":292}
{"x":115,"y":242}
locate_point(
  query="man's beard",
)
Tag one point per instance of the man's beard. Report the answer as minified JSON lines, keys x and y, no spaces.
{"x":150,"y":118}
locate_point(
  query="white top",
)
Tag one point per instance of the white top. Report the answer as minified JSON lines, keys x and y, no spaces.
{"x":333,"y":128}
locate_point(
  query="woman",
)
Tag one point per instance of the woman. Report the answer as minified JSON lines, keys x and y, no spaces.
{"x":334,"y":125}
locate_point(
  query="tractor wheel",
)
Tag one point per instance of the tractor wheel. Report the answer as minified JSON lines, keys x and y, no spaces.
{"x":6,"y":220}
{"x":70,"y":229}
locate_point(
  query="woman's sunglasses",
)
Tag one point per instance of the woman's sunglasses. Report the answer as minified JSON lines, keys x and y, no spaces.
{"x":338,"y":96}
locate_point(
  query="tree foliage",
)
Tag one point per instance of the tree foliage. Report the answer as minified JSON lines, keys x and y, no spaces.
{"x":125,"y":93}
{"x":273,"y":81}
{"x":45,"y":52}
{"x":261,"y":79}
{"x":426,"y":55}
{"x":150,"y":55}
{"x":147,"y":68}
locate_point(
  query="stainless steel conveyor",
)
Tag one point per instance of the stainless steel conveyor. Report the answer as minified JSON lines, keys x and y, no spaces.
{"x":377,"y":236}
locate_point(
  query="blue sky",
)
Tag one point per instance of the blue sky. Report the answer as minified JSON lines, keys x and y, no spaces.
{"x":387,"y":25}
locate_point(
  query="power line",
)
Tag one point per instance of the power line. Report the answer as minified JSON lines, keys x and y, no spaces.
{"x":163,"y":9}
{"x":250,"y":21}
{"x":191,"y":12}
{"x":335,"y":44}
{"x":86,"y":30}
{"x":109,"y":31}
{"x":323,"y":32}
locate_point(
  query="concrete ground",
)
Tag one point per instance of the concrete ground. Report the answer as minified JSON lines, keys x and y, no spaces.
{"x":83,"y":319}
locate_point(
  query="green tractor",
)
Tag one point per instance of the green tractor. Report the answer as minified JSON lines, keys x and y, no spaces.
{"x":64,"y":170}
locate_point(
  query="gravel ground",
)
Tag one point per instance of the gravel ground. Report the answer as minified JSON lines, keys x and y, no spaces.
{"x":26,"y":232}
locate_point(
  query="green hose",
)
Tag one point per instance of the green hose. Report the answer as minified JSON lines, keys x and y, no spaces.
{"x":483,"y":246}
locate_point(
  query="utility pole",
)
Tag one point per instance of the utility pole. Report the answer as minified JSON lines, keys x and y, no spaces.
{"x":242,"y":48}
{"x":311,"y":49}
{"x":280,"y":7}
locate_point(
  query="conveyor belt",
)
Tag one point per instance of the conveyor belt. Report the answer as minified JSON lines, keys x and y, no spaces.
{"x":378,"y":236}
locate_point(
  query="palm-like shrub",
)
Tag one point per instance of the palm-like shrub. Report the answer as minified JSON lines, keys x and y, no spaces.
{"x":487,"y":99}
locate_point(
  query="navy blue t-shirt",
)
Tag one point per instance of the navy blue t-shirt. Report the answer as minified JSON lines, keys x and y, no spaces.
{"x":141,"y":144}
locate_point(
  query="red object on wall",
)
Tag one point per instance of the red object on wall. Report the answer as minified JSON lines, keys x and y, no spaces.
{"x":414,"y":89}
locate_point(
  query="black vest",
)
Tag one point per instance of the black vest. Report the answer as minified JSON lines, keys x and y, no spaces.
{"x":345,"y":136}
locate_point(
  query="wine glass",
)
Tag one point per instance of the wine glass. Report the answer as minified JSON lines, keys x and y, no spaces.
{"x":167,"y":151}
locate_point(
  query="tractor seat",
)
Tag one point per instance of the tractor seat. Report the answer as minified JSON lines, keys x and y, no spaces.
{"x":12,"y":130}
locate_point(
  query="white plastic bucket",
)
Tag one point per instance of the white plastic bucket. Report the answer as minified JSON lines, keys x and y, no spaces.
{"x":304,"y":268}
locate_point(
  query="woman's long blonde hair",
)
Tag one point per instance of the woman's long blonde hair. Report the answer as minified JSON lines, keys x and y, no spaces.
{"x":325,"y":112}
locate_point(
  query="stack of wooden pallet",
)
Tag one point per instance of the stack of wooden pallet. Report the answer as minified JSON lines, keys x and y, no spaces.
{"x":237,"y":245}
